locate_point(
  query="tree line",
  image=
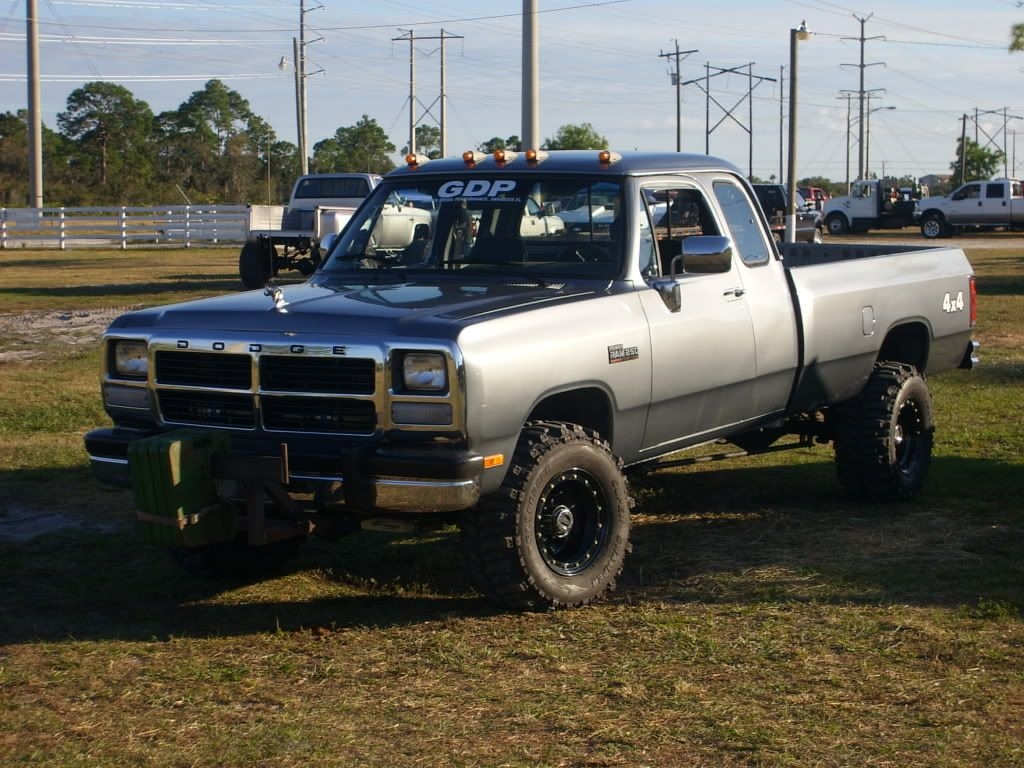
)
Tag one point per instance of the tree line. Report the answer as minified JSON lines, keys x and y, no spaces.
{"x":111,"y":149}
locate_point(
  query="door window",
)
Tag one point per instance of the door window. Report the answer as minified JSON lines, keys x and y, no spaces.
{"x":744,"y":223}
{"x":674,"y":214}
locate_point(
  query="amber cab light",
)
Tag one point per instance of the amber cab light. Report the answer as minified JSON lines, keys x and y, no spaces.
{"x":414,"y":160}
{"x":606,"y":156}
{"x":534,"y":156}
{"x":471,"y":157}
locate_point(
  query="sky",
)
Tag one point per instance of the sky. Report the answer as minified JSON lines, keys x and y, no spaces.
{"x":927,"y":63}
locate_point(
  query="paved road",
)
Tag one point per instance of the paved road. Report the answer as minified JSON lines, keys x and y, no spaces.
{"x":913,"y":236}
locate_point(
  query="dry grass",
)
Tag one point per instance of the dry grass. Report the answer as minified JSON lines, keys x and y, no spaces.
{"x":763,"y":619}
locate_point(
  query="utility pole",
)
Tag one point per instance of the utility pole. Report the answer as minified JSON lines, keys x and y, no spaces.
{"x":35,"y":120}
{"x":678,"y":83}
{"x":782,"y":121}
{"x":849,"y":130}
{"x":531,"y":78}
{"x":299,"y":64}
{"x":963,"y":148}
{"x":861,"y":91}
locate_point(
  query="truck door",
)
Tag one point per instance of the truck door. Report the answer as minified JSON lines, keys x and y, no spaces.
{"x":862,"y":206}
{"x":965,"y":205}
{"x":769,"y":301}
{"x":702,"y":356}
{"x":995,"y":204}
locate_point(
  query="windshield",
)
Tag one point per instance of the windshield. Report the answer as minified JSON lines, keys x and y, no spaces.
{"x":505,"y":224}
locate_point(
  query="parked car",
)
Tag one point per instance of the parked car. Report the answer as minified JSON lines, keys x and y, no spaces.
{"x":816,"y":196}
{"x":773,"y":197}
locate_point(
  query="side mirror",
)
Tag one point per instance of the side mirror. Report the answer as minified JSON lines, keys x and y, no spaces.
{"x":706,"y":254}
{"x":701,"y":254}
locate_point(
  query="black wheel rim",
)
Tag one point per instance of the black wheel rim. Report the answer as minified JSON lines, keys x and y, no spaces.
{"x":572,"y":521}
{"x":907,"y":436}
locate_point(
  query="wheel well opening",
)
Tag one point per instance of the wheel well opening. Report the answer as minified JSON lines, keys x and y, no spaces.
{"x":589,"y":407}
{"x":906,"y":344}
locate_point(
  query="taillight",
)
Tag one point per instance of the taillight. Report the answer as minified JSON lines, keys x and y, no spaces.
{"x":974,"y":302}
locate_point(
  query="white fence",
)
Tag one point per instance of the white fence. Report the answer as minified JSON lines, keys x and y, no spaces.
{"x":64,"y":228}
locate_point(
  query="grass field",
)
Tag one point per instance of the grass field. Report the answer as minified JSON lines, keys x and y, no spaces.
{"x":763,"y":619}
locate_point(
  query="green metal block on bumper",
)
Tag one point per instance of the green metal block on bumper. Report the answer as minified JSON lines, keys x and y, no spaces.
{"x":384,"y":478}
{"x":175,"y":493}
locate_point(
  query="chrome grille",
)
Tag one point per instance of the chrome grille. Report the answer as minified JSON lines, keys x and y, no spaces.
{"x":318,"y":414}
{"x":307,"y":393}
{"x":207,"y":408}
{"x":204,"y":369}
{"x":330,"y":375}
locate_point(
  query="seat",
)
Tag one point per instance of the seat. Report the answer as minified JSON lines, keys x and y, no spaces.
{"x":498,"y":250}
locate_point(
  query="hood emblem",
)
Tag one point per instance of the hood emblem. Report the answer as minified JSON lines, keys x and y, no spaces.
{"x":276,"y":293}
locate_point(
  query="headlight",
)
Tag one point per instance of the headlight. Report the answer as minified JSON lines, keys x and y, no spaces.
{"x":130,"y":359}
{"x":424,"y":372}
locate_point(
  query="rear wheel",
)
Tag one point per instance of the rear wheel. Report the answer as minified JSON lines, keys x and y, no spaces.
{"x":816,"y":237}
{"x":557,"y":532}
{"x":883,"y":437}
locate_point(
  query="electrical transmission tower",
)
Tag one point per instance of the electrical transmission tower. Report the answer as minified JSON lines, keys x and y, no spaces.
{"x":442,"y":97}
{"x":862,"y":66}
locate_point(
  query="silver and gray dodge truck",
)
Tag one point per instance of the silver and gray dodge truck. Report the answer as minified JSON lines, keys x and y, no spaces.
{"x":508,"y":381}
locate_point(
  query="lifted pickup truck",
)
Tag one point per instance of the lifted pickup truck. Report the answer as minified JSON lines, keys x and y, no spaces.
{"x":506,"y":382}
{"x":978,"y":205}
{"x":288,"y":237}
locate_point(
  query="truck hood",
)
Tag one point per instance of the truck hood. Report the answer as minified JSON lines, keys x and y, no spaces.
{"x":432,"y":308}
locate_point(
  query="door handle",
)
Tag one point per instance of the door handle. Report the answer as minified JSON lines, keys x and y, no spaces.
{"x":737,"y":292}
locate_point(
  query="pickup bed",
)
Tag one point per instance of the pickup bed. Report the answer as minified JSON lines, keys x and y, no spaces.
{"x":508,"y":382}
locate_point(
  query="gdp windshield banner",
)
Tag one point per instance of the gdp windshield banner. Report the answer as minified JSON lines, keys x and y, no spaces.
{"x":479,"y":189}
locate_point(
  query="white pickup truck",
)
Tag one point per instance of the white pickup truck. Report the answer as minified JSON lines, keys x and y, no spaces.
{"x":288,"y":236}
{"x":975,"y":205}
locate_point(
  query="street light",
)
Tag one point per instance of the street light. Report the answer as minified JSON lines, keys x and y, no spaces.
{"x":795,"y":35}
{"x":300,"y":102}
{"x":867,"y":140}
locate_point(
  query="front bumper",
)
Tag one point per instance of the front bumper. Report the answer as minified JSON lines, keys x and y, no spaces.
{"x":380,"y":478}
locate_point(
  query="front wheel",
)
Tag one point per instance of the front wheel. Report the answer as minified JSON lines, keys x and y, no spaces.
{"x":933,"y":225}
{"x":557,"y":532}
{"x":883,"y":437}
{"x":836,"y":224}
{"x":816,"y":237}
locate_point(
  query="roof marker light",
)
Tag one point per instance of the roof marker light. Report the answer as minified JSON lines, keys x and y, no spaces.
{"x":606,"y":156}
{"x":415,"y":160}
{"x":472,"y":157}
{"x":502,"y":156}
{"x":534,"y":156}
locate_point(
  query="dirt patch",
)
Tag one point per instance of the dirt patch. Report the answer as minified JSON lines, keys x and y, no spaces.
{"x":28,"y":335}
{"x":21,"y":524}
